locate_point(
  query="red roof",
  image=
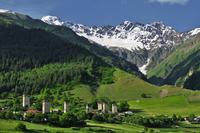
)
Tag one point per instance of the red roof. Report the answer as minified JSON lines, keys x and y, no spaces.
{"x":33,"y":111}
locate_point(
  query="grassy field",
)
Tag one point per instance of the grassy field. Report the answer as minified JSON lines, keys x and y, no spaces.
{"x":163,"y":100}
{"x":179,"y":105}
{"x":126,"y":87}
{"x":8,"y":126}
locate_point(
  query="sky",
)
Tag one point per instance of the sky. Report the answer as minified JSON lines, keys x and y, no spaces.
{"x":183,"y":15}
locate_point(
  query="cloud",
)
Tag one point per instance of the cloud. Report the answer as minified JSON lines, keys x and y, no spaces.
{"x":180,"y":2}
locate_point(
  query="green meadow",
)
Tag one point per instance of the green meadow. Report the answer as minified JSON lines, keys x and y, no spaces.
{"x":161,"y":100}
{"x":8,"y":126}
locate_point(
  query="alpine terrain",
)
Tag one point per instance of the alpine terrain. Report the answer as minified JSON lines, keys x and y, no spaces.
{"x":145,"y":45}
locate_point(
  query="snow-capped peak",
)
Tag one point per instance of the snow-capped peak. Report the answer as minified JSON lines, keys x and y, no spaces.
{"x":53,"y":20}
{"x":194,"y":32}
{"x":144,"y":41}
{"x":128,"y":35}
{"x":6,"y":11}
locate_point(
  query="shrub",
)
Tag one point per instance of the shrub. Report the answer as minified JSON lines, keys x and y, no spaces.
{"x":143,"y":95}
{"x":123,"y":106}
{"x":155,"y":122}
{"x":9,"y":115}
{"x":21,"y":127}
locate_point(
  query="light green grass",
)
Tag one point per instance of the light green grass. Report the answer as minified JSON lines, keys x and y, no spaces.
{"x":120,"y":128}
{"x":8,"y":126}
{"x":164,"y":100}
{"x":124,"y":128}
{"x":179,"y":105}
{"x":126,"y":87}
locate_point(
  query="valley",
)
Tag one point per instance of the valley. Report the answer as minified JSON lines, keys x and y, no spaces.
{"x":106,"y":83}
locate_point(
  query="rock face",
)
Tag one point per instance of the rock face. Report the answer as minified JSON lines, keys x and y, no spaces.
{"x":142,"y":44}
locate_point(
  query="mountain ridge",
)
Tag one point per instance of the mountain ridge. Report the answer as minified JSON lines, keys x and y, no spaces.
{"x":133,"y":38}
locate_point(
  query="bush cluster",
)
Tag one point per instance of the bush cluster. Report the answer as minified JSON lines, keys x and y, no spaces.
{"x":61,"y":120}
{"x":153,"y":122}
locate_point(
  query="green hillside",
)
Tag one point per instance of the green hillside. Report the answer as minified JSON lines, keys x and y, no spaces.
{"x":181,"y":68}
{"x":32,"y":59}
{"x":36,"y":58}
{"x":68,"y":35}
{"x":126,"y":87}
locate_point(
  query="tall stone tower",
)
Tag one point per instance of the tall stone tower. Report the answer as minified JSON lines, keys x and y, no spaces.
{"x":100,"y":106}
{"x":66,"y":106}
{"x":88,"y":109}
{"x":114,"y":108}
{"x":105,"y":108}
{"x":26,"y":101}
{"x":45,"y":107}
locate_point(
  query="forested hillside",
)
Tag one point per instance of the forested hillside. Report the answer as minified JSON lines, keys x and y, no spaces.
{"x":31,"y":59}
{"x":68,"y":35}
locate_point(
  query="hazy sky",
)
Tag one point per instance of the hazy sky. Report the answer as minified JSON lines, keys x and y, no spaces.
{"x":181,"y":14}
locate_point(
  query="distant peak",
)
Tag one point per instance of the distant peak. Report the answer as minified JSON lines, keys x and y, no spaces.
{"x":158,"y":22}
{"x":52,"y":20}
{"x":126,"y":22}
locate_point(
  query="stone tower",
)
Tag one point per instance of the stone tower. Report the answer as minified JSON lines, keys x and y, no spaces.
{"x":105,"y":107}
{"x":114,"y":109}
{"x":88,"y":109}
{"x":26,"y":101}
{"x":46,"y":107}
{"x":100,"y":106}
{"x":66,"y":107}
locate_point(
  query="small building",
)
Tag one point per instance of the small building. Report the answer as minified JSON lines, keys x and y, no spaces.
{"x":46,"y":107}
{"x":114,"y":108}
{"x":26,"y":101}
{"x":66,"y":107}
{"x":89,"y":109}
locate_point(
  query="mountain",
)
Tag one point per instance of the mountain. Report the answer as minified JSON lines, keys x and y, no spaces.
{"x":35,"y":56}
{"x":70,"y":36}
{"x":143,"y":44}
{"x":182,"y":66}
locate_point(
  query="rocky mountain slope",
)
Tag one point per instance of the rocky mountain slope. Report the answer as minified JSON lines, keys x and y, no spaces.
{"x":143,"y":44}
{"x":181,"y":67}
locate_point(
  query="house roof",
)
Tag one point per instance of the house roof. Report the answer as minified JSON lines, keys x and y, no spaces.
{"x":34,"y":111}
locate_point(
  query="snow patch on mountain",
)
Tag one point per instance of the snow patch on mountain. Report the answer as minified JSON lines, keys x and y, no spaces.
{"x":134,"y":37}
{"x":6,"y":11}
{"x":143,"y":69}
{"x":129,"y":35}
{"x":194,"y":32}
{"x":53,"y":20}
